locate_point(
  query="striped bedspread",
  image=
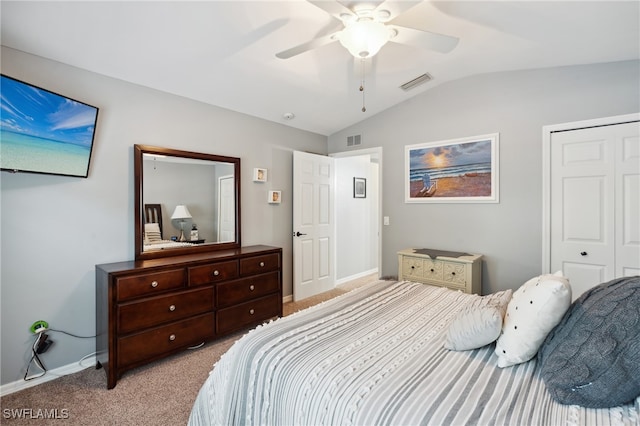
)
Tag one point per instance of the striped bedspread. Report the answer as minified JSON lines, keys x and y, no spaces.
{"x":374,"y":356}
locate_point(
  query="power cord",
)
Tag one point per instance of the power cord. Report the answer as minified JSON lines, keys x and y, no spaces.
{"x":71,"y":334}
{"x":36,"y":358}
{"x":41,"y":344}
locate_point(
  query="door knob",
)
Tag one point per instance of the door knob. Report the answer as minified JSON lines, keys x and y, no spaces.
{"x":297,"y":234}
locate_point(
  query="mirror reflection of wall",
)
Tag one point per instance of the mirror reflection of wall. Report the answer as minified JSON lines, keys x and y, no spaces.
{"x":170,"y":181}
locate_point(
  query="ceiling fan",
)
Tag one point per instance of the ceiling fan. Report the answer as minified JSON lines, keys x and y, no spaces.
{"x":367,"y":28}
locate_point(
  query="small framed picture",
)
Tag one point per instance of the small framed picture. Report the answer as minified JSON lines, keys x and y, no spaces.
{"x":359,"y":187}
{"x":259,"y":175}
{"x":275,"y":197}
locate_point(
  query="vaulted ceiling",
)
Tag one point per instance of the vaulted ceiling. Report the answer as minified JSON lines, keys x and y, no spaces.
{"x":224,"y":52}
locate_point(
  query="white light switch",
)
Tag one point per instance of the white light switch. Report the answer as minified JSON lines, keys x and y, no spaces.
{"x":386,"y":220}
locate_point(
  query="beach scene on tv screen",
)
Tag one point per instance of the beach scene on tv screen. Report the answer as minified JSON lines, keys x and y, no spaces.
{"x":44,"y":132}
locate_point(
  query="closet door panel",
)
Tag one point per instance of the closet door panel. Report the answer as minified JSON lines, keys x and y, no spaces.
{"x":582,"y":185}
{"x":628,"y":200}
{"x":595,"y":203}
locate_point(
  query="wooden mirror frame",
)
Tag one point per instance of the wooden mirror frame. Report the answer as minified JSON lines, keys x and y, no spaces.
{"x":139,"y":151}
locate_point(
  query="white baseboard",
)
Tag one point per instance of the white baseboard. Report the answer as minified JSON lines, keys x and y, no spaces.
{"x":339,"y":282}
{"x":65,"y":370}
{"x":356,"y":276}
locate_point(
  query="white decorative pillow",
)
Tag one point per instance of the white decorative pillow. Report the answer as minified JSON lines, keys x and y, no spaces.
{"x":478,"y":324}
{"x":151,"y":232}
{"x":535,"y":308}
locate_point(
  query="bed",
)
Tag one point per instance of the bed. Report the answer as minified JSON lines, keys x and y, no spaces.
{"x":377,"y":356}
{"x":153,"y":230}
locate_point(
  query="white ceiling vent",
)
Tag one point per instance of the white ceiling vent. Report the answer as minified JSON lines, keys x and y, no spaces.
{"x":416,"y":82}
{"x":354,"y":140}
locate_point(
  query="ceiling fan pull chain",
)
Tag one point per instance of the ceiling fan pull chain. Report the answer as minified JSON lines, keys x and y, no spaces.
{"x":362,"y":85}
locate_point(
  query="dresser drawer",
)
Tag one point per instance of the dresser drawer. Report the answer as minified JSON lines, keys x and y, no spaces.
{"x":239,"y":316}
{"x":412,"y":267}
{"x":149,"y":312}
{"x":213,"y":272}
{"x":259,"y":264}
{"x":149,"y":284}
{"x":149,"y":344}
{"x":231,"y":293}
{"x":433,"y":269}
{"x":455,"y":274}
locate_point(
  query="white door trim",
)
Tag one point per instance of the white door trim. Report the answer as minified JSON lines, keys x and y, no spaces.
{"x":546,"y":172}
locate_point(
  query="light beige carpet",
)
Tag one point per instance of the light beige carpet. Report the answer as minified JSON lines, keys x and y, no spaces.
{"x":160,"y":393}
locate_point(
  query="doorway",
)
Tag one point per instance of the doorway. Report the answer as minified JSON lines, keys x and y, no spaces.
{"x":358,"y":218}
{"x":352,"y":249}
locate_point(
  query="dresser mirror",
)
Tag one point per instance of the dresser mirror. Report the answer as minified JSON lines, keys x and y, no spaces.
{"x":185,"y":202}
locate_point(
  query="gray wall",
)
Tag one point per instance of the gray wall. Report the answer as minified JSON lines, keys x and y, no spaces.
{"x":515,"y":104}
{"x":356,"y":218}
{"x":55,"y":229}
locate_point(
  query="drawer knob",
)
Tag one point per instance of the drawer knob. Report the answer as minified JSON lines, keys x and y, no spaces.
{"x":413,"y":267}
{"x":261,"y":264}
{"x":216,"y":272}
{"x":172,"y":337}
{"x":583,"y":253}
{"x":251,"y":311}
{"x":154,"y":284}
{"x":453,"y":273}
{"x":172,"y":308}
{"x":252,"y":287}
{"x":431,"y":269}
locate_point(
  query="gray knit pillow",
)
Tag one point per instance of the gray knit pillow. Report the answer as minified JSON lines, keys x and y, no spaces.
{"x":592,"y":357}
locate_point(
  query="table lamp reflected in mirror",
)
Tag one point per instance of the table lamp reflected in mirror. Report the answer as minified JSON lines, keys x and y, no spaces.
{"x":180,"y":216}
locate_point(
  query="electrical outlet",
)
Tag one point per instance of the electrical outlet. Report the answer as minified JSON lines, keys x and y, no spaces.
{"x":39,"y":326}
{"x":43,"y":344}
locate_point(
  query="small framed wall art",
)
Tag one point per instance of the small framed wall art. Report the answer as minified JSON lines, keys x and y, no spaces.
{"x":359,"y":187}
{"x":259,"y":175}
{"x":275,"y":197}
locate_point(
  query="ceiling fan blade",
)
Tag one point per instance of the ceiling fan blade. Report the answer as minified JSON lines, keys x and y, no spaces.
{"x":424,"y":39}
{"x":332,"y":8}
{"x":305,"y":47}
{"x":395,"y":8}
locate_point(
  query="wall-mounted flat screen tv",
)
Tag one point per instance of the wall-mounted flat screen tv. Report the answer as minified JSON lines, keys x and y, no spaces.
{"x":44,"y":132}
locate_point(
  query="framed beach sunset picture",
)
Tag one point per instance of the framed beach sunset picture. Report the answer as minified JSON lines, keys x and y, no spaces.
{"x":453,"y":171}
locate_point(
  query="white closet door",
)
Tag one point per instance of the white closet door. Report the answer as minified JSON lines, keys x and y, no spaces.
{"x":628,"y":201}
{"x":594,"y":203}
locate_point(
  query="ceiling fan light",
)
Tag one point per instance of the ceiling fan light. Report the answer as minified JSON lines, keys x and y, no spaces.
{"x":364,"y":38}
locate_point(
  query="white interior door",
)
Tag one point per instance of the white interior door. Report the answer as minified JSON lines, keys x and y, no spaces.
{"x":226,"y":209}
{"x":313,"y":224}
{"x":595,"y":187}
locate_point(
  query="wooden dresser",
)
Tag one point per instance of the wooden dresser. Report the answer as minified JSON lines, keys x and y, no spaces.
{"x":149,"y":309}
{"x":463,"y":272}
